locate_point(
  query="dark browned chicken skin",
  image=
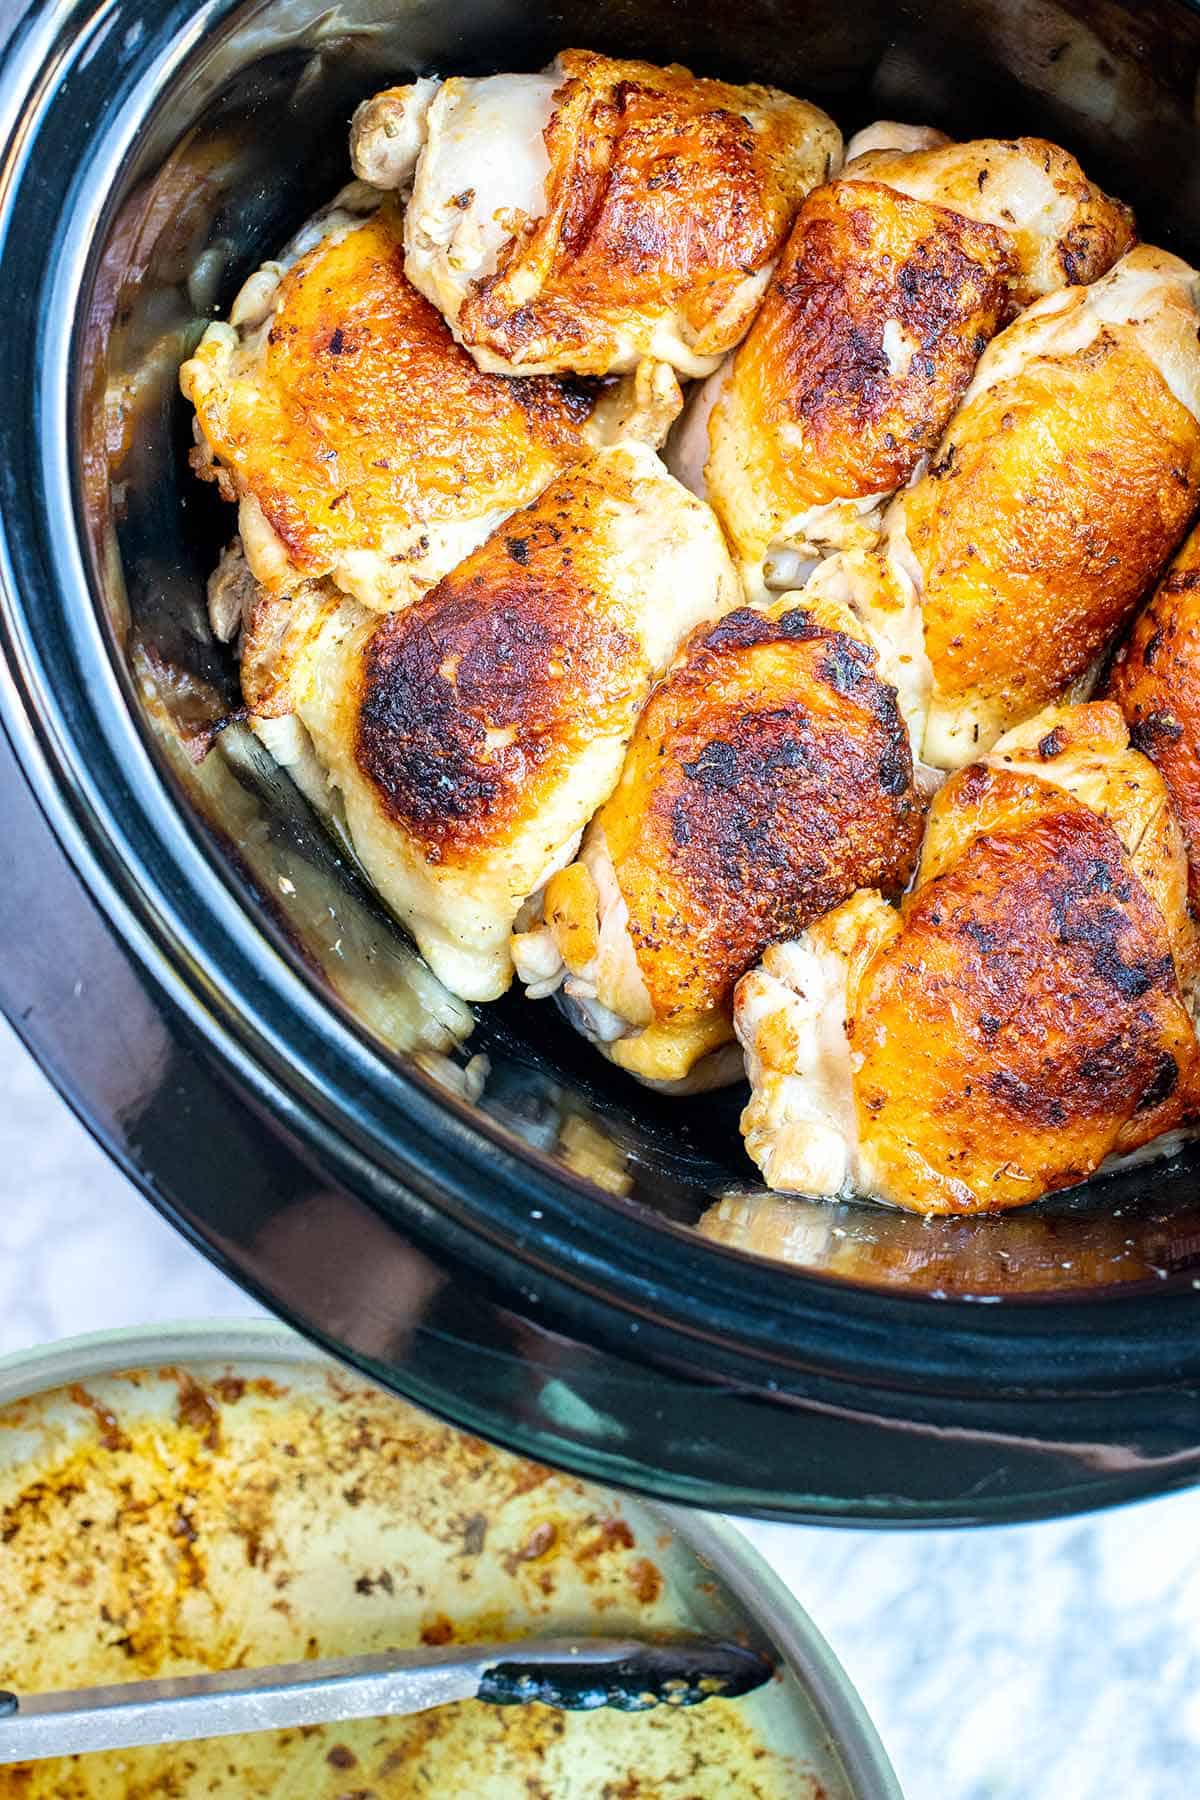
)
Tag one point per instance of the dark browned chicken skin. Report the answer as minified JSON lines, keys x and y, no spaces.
{"x":1156,"y":683}
{"x":512,"y":660}
{"x":361,"y":443}
{"x":1022,"y":1016}
{"x":896,"y":276}
{"x":769,"y":776}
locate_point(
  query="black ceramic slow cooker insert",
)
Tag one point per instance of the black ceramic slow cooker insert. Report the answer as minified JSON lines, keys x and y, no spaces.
{"x":223,"y":1002}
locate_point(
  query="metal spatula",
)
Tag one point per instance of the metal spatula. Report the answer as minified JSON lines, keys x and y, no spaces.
{"x":576,"y":1675}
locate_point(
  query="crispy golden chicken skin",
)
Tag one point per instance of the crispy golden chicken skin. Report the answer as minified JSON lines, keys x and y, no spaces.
{"x":473,"y":735}
{"x":1064,"y":230}
{"x":1064,"y":482}
{"x":1057,"y":498}
{"x":599,"y":212}
{"x":868,"y":335}
{"x":362,"y":444}
{"x":1020,"y":1019}
{"x":1156,"y":683}
{"x":769,"y":776}
{"x":896,"y":276}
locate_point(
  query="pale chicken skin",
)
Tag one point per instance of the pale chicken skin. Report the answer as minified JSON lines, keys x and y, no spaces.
{"x":470,"y":737}
{"x":597,"y":213}
{"x":769,"y":776}
{"x":362,"y":445}
{"x":1018,"y":1020}
{"x":896,"y":276}
{"x":1064,"y":482}
{"x":1156,"y":683}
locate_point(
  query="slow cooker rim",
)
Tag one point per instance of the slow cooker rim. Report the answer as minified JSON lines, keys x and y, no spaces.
{"x":1140,"y":1324}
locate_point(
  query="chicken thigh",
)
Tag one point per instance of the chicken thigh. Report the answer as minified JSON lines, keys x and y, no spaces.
{"x":1019,"y":1019}
{"x":1156,"y":683}
{"x":361,"y":444}
{"x":895,"y":277}
{"x":471,"y":737}
{"x":1066,"y":479}
{"x":597,"y":213}
{"x":769,"y":776}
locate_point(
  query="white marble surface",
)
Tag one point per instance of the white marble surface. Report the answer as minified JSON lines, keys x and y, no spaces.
{"x":1049,"y":1662}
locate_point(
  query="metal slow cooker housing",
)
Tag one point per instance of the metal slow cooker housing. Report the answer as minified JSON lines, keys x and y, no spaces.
{"x":224,"y":1004}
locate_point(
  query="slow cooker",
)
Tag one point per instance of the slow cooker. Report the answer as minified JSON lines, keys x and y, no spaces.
{"x":212,"y":986}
